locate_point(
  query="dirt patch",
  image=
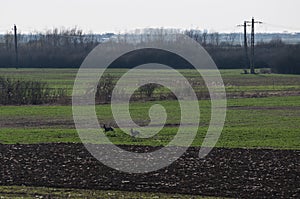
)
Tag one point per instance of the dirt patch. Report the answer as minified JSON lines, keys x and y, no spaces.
{"x":41,"y":123}
{"x":265,"y":107}
{"x":260,"y":94}
{"x":238,"y":173}
{"x":68,"y":124}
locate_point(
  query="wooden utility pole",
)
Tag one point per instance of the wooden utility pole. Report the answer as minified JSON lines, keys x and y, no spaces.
{"x":16,"y":46}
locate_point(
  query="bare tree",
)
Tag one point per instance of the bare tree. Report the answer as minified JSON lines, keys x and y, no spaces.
{"x":230,"y":38}
{"x":8,"y":38}
{"x":204,"y":38}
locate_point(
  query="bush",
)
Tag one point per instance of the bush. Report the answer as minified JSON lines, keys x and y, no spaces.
{"x":265,"y":71}
{"x":148,"y":89}
{"x":105,"y":88}
{"x":20,"y":92}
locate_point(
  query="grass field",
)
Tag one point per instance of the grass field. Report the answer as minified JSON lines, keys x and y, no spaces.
{"x":265,"y":122}
{"x":269,"y":122}
{"x":233,"y":80}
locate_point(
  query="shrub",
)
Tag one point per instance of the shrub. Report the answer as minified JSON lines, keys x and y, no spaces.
{"x":265,"y":71}
{"x":105,"y":88}
{"x":20,"y":92}
{"x":148,"y":89}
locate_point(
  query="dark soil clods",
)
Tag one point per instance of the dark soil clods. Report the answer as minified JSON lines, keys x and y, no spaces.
{"x":242,"y":173}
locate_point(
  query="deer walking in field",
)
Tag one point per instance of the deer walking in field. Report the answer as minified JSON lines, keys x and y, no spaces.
{"x":106,"y":129}
{"x":134,"y":133}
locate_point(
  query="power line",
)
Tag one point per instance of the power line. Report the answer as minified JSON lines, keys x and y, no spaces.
{"x":247,"y":61}
{"x":282,"y":26}
{"x":253,"y":22}
{"x":245,"y":25}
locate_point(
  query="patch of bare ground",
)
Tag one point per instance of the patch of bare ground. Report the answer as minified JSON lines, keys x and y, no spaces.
{"x":41,"y":123}
{"x":265,"y":107}
{"x":238,"y":173}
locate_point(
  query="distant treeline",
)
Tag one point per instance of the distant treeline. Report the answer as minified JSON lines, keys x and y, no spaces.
{"x":55,"y":48}
{"x":67,"y":48}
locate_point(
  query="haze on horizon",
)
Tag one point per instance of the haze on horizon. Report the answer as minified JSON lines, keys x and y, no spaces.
{"x":101,"y":16}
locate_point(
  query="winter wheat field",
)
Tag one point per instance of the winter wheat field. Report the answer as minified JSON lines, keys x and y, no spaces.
{"x":257,"y":154}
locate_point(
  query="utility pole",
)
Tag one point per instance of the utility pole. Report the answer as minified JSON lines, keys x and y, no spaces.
{"x":16,"y":46}
{"x":251,"y":62}
{"x":253,"y":22}
{"x":247,"y":61}
{"x":252,"y":69}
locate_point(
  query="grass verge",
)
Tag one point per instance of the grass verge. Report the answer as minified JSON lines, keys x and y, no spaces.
{"x":43,"y":192}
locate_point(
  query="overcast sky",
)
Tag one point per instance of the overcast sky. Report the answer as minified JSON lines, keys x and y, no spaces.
{"x":121,"y":15}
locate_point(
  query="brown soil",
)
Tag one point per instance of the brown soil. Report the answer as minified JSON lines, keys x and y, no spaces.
{"x":238,"y":173}
{"x":265,"y":107}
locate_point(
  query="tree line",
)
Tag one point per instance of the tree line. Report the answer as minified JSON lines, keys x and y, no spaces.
{"x":64,"y":48}
{"x":67,"y":48}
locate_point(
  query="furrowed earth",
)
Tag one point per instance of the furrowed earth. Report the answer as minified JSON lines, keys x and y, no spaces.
{"x":237,"y":173}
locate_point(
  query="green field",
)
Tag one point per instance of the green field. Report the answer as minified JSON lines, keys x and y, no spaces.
{"x":265,"y":122}
{"x":271,"y":120}
{"x":234,"y":81}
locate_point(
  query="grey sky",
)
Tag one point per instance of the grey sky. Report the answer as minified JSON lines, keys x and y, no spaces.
{"x":121,"y":15}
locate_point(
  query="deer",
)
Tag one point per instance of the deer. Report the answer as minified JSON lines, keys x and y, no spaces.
{"x":134,"y":133}
{"x":106,"y":129}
